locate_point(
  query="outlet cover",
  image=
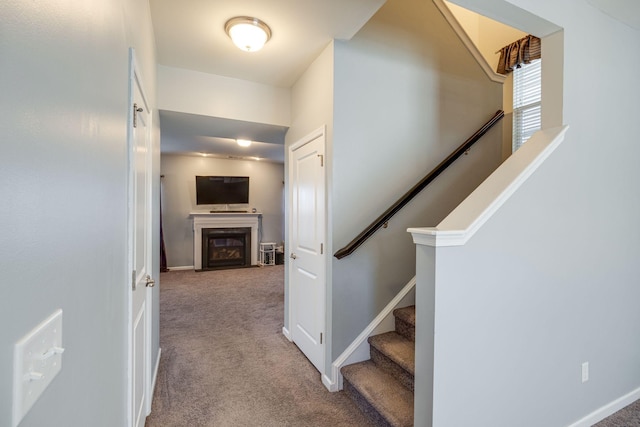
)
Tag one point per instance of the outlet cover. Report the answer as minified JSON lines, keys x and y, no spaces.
{"x":37,"y":359}
{"x":585,"y":372}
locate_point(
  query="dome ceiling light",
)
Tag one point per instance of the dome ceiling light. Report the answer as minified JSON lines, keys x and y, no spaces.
{"x":249,"y":34}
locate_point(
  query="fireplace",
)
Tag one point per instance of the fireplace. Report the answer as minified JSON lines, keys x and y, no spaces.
{"x":226,"y":248}
{"x":223,"y":220}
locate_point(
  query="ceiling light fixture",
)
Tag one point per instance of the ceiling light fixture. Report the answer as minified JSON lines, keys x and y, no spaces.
{"x":248,"y":33}
{"x":243,"y":142}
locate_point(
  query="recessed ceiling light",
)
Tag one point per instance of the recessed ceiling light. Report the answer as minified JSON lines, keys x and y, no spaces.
{"x":249,"y":34}
{"x":243,"y":142}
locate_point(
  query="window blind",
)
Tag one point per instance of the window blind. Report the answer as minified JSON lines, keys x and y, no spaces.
{"x":527,"y":106}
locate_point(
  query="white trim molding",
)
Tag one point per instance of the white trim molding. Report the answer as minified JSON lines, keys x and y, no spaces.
{"x":286,"y":333}
{"x":608,"y":409}
{"x":358,"y":350}
{"x":468,"y":43}
{"x":463,"y":222}
{"x":181,"y":268}
{"x":154,"y":378}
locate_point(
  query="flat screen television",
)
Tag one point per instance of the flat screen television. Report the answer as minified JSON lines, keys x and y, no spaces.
{"x":222,"y":190}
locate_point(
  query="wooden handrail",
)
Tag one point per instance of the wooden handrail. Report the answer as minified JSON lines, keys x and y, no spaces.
{"x":409,"y":195}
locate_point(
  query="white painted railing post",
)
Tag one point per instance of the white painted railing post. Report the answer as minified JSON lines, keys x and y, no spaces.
{"x":425,"y":310}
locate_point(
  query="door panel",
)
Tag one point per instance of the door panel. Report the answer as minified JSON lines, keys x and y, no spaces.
{"x":307,"y":261}
{"x":140,"y":232}
{"x":139,"y":356}
{"x":306,"y":315}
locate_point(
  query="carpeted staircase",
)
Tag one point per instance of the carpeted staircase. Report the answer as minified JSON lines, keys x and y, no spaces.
{"x":382,"y":387}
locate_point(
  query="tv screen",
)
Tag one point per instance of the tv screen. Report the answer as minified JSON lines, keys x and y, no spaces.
{"x":222,"y":190}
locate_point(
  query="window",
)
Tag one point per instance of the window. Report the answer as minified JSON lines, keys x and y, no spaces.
{"x":527,"y":106}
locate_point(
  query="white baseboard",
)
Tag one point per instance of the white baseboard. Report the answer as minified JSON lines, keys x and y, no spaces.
{"x":330,"y":385}
{"x":608,"y":409}
{"x":155,"y":371}
{"x":286,"y":333}
{"x":153,"y":380}
{"x":358,"y":350}
{"x":181,"y":267}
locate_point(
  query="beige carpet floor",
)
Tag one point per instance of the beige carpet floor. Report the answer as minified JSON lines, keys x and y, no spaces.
{"x":225,"y":361}
{"x":626,"y":417}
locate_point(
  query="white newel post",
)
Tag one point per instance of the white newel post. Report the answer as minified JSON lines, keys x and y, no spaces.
{"x":203,"y":220}
{"x":425,"y":322}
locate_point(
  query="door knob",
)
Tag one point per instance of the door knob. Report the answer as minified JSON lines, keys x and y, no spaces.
{"x":150,"y":282}
{"x":293,"y":256}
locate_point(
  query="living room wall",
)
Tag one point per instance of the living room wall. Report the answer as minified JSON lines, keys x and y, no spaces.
{"x":179,"y":198}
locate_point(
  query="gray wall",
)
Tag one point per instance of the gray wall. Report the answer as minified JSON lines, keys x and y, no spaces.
{"x":407,"y":92}
{"x":179,"y":198}
{"x":551,"y":281}
{"x":63,"y":182}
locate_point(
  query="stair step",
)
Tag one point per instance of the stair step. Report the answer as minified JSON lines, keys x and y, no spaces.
{"x":406,"y":322}
{"x":378,"y":394}
{"x":396,"y":355}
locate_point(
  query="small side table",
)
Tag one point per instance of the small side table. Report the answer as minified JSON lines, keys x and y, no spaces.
{"x":267,"y":253}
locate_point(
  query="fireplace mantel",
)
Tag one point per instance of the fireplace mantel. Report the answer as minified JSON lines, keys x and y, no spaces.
{"x":223,"y":220}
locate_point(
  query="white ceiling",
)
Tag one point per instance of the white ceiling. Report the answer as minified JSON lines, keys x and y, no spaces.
{"x":190,"y":34}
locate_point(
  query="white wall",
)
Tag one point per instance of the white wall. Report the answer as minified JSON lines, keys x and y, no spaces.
{"x":407,"y":93}
{"x":551,"y":280}
{"x":63,"y":182}
{"x":194,"y":92}
{"x":179,"y":198}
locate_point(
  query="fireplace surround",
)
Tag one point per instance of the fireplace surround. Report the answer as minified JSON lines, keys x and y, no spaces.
{"x":224,"y":220}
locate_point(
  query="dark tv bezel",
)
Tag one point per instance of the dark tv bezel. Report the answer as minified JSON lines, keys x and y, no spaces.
{"x":200,"y":197}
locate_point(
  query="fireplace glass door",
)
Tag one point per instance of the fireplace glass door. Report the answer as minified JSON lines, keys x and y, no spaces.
{"x":226,"y":248}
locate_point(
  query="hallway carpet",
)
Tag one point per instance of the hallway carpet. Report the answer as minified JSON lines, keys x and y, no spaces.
{"x":628,"y":416}
{"x":225,"y":362}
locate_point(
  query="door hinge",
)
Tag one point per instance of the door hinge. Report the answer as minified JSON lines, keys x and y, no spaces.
{"x":321,"y":160}
{"x":321,"y":248}
{"x":320,"y":337}
{"x":136,"y":110}
{"x":133,"y":280}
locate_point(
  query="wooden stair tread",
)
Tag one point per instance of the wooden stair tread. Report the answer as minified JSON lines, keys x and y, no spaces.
{"x":386,"y":394}
{"x":397,"y":348}
{"x":407,"y":314}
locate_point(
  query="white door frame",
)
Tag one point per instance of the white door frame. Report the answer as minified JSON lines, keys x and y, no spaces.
{"x":288,"y":329}
{"x":135,"y":78}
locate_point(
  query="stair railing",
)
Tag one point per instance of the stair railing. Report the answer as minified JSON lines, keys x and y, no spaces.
{"x":382,"y":220}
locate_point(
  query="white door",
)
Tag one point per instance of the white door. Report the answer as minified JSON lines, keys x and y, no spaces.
{"x":307,"y":254}
{"x":140,"y":243}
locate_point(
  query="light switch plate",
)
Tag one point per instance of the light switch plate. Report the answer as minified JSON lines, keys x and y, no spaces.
{"x":37,"y":359}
